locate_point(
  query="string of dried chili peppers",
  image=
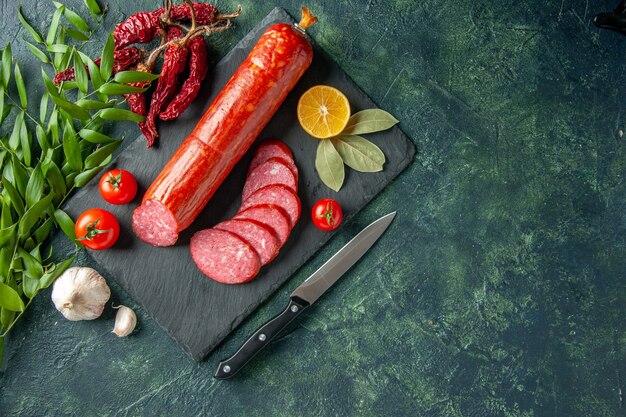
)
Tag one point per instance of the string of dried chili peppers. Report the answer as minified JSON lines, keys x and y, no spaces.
{"x":197,"y":71}
{"x":181,"y":45}
{"x":123,"y":59}
{"x":174,"y":62}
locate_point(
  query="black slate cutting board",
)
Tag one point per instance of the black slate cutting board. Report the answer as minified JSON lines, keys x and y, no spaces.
{"x":195,"y":311}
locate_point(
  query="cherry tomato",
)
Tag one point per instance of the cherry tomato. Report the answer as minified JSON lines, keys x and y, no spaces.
{"x":327,"y":214}
{"x":97,"y":229}
{"x":118,"y":186}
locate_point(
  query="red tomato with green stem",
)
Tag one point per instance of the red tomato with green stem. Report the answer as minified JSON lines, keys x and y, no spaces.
{"x":97,"y":229}
{"x":118,"y":186}
{"x":327,"y":214}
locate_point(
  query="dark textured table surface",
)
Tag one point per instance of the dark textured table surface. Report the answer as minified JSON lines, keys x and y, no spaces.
{"x":500,"y":289}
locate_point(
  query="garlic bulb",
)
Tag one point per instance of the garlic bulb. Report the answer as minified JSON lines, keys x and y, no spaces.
{"x":80,"y":294}
{"x":125,"y":321}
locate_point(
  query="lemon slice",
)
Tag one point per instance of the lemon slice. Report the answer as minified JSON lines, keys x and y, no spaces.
{"x":323,"y":111}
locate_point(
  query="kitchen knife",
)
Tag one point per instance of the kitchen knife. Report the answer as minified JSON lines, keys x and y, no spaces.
{"x":305,"y":295}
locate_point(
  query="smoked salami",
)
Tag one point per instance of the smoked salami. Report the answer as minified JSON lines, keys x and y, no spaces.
{"x":260,"y":236}
{"x":276,"y":194}
{"x":272,"y":171}
{"x":225,"y":132}
{"x":271,"y":215}
{"x":224,"y":256}
{"x":273,"y":149}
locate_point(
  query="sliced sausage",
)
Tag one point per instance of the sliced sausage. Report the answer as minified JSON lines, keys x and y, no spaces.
{"x":272,"y":148}
{"x":224,"y":257}
{"x":271,"y":215}
{"x":272,"y":171}
{"x":228,"y":128}
{"x":195,"y":166}
{"x":276,"y":194}
{"x":155,"y":223}
{"x":260,"y":236}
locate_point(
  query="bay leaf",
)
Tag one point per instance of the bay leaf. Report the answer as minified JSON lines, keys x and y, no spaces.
{"x":329,"y":165}
{"x":369,"y":121}
{"x":359,"y":153}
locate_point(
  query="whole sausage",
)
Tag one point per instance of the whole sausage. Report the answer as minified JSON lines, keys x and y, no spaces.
{"x":225,"y":132}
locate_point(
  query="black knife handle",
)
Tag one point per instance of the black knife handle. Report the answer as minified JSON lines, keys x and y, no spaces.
{"x":259,"y":339}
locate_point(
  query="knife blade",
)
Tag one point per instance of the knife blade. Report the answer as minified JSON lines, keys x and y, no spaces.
{"x":306,"y":294}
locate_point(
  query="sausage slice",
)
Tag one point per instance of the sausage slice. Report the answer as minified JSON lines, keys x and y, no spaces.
{"x":272,"y":171}
{"x":224,"y":257}
{"x":260,"y":236}
{"x":276,"y":194}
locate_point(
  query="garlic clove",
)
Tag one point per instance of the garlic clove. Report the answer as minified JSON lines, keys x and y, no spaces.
{"x":125,"y":321}
{"x":80,"y":293}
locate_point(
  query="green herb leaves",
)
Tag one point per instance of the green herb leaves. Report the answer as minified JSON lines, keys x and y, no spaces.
{"x":359,"y":153}
{"x":351,"y":149}
{"x":329,"y":165}
{"x":369,"y":121}
{"x":10,"y":299}
{"x":71,"y":148}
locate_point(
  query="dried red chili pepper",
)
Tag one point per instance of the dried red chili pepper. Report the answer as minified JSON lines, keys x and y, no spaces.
{"x":143,"y":27}
{"x":174,"y":62}
{"x":205,"y":13}
{"x":137,"y":103}
{"x":122,"y":60}
{"x":198,"y":67}
{"x":140,"y":27}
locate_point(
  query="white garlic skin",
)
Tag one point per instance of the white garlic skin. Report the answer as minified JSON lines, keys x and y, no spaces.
{"x":125,"y":321}
{"x":80,"y":294}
